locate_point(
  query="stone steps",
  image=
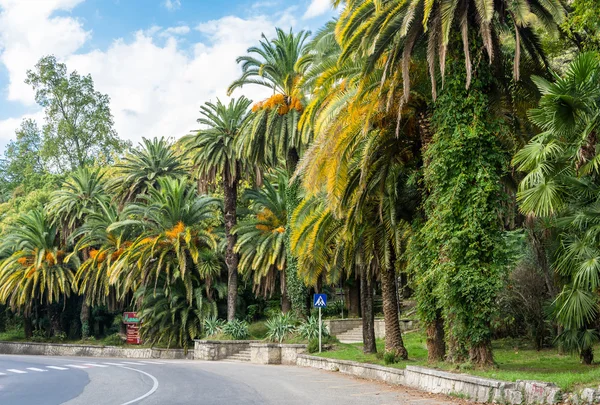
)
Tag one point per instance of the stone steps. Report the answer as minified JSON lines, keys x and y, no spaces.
{"x":351,"y":336}
{"x":241,"y":356}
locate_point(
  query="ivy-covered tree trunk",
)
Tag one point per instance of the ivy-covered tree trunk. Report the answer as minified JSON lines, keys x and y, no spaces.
{"x":393,"y":334}
{"x":296,"y":290}
{"x":231,"y":258}
{"x":368,"y":318}
{"x":54,"y":316}
{"x":436,"y":344}
{"x":464,"y":228}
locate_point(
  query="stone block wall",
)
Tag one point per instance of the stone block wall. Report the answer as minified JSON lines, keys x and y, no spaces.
{"x":212,"y":350}
{"x":53,"y":349}
{"x":338,"y":326}
{"x":275,"y":353}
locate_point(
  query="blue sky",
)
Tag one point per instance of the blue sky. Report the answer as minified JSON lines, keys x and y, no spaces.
{"x":158,"y":60}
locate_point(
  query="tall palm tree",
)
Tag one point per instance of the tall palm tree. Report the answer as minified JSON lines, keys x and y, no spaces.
{"x":213,"y":154}
{"x":561,"y":166}
{"x":271,"y":133}
{"x":261,"y":238}
{"x":36,"y":270}
{"x":82,"y":193}
{"x":387,"y":34}
{"x":176,"y":236}
{"x":140,"y":169}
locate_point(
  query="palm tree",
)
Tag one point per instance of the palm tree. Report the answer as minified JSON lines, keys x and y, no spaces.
{"x":271,"y":132}
{"x":561,"y":166}
{"x":387,"y":34}
{"x":140,"y":169}
{"x":213,"y":154}
{"x":261,"y":238}
{"x":104,"y":249}
{"x":168,"y":317}
{"x":82,"y":193}
{"x":175,"y":239}
{"x":36,"y":270}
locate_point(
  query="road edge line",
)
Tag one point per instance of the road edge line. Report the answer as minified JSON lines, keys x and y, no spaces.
{"x":147,"y":394}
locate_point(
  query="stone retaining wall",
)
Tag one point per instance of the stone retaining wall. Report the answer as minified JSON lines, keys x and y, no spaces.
{"x":275,"y":353}
{"x":442,"y":382}
{"x":212,"y":350}
{"x":54,"y":349}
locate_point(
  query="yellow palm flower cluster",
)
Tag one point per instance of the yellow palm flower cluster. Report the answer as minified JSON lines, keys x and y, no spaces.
{"x":282,"y":103}
{"x":176,"y":230}
{"x":50,"y":259}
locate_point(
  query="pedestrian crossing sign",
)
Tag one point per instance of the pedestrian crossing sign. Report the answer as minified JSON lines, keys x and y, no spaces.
{"x":320,"y":300}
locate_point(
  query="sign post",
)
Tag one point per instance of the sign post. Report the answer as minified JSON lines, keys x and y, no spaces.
{"x":320,"y":301}
{"x":131,"y":320}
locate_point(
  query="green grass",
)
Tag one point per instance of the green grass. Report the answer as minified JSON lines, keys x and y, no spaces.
{"x":515,"y":361}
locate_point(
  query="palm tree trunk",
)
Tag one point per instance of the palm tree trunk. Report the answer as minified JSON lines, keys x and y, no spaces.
{"x":27,"y":326}
{"x":368,"y":318}
{"x":295,"y":288}
{"x":54,"y":315}
{"x":393,"y":334}
{"x":286,"y":304}
{"x":587,"y":355}
{"x":84,"y":317}
{"x":354,"y":299}
{"x":231,"y":258}
{"x":436,"y":346}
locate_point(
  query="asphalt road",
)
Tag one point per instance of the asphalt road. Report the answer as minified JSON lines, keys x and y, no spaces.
{"x":44,"y":380}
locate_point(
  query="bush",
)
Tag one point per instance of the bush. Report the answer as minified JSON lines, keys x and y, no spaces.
{"x":309,"y":329}
{"x":212,"y":326}
{"x":313,"y":346}
{"x":258,"y":330}
{"x":280,"y":326}
{"x":237,"y":329}
{"x":113,"y":340}
{"x":389,"y":358}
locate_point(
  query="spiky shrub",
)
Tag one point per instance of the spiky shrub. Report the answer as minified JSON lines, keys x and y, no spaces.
{"x":281,"y":326}
{"x":212,"y":326}
{"x":237,"y":329}
{"x":309,"y":329}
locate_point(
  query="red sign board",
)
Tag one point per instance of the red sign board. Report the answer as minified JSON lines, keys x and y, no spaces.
{"x":133,"y":327}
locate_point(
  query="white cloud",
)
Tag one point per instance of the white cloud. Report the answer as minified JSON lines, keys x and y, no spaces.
{"x":155,"y":86}
{"x":172,"y":4}
{"x":317,"y":8}
{"x":179,"y":30}
{"x":28,"y":31}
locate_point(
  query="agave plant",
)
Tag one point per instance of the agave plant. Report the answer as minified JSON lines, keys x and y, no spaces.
{"x":281,"y":326}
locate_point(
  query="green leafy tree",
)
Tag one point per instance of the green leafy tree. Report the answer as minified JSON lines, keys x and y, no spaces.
{"x":22,"y":165}
{"x":213,"y":154}
{"x":79,"y":124}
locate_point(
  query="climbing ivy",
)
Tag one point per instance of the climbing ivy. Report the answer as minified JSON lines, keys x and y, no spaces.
{"x":460,"y":268}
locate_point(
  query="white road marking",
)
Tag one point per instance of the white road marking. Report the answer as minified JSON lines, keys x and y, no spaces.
{"x":36,"y":369}
{"x":151,"y":362}
{"x":76,"y":366}
{"x":12,"y":370}
{"x":131,"y":362}
{"x":147,"y":394}
{"x":2,"y":373}
{"x":94,"y":365}
{"x":57,"y":368}
{"x":113,"y":364}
